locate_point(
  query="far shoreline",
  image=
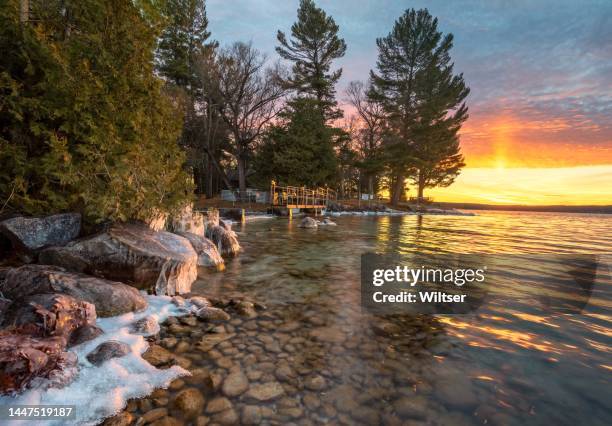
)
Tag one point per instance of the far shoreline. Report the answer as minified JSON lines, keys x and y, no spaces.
{"x":603,"y":209}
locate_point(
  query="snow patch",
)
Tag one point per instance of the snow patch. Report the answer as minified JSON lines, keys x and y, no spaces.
{"x":103,"y":391}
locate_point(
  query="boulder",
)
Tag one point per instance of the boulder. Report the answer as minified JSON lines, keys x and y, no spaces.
{"x":109,"y":297}
{"x":107,"y":350}
{"x":31,"y":362}
{"x":208,"y":255}
{"x":49,"y":315}
{"x":84,"y":334}
{"x":308,"y":222}
{"x":132,"y":253}
{"x":186,"y":220}
{"x":146,"y":326}
{"x":29,"y":234}
{"x":226,"y":241}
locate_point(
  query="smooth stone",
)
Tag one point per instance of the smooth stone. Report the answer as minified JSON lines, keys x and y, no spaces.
{"x":235,"y":384}
{"x":265,"y":392}
{"x":328,"y":335}
{"x":208,"y":255}
{"x":108,"y":350}
{"x":154,"y":414}
{"x":212,"y":314}
{"x":157,"y":356}
{"x":84,"y":334}
{"x":414,"y":407}
{"x":457,"y":393}
{"x":190,"y":402}
{"x":227,"y":417}
{"x":167,"y":421}
{"x":218,"y":404}
{"x":311,"y":401}
{"x":122,"y":419}
{"x":251,"y":415}
{"x":316,"y":383}
{"x":308,"y":222}
{"x":176,"y":384}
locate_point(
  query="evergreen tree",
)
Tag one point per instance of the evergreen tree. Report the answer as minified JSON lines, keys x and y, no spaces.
{"x":299,"y":150}
{"x":84,"y":124}
{"x":183,"y":40}
{"x":423,"y":101}
{"x":312,"y":48}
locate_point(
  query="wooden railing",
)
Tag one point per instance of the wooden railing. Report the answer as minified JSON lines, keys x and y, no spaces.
{"x":300,"y":197}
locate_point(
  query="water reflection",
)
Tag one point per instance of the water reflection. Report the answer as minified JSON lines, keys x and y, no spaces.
{"x":507,"y":363}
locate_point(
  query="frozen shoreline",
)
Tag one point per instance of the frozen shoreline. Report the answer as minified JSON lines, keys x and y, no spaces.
{"x":103,"y":391}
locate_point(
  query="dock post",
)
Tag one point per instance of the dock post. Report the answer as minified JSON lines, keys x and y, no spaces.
{"x":290,"y":214}
{"x":243,"y":216}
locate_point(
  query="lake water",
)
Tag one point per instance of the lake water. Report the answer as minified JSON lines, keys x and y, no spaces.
{"x":507,"y":363}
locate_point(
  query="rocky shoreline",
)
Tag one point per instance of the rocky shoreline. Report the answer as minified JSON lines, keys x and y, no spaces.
{"x":58,"y":285}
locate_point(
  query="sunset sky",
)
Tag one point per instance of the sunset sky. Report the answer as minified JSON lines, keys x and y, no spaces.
{"x":540,"y":73}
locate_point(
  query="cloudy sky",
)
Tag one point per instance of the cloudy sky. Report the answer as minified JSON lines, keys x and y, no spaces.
{"x":540,"y":71}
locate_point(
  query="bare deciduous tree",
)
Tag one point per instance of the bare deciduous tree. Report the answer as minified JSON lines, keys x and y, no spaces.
{"x":247,"y":96}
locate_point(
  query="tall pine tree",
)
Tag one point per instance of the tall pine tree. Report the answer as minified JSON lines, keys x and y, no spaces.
{"x":423,"y":101}
{"x":313,"y":46}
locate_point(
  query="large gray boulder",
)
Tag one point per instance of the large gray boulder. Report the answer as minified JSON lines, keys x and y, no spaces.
{"x":208,"y":255}
{"x":29,"y":234}
{"x":225,"y":240}
{"x":109,"y":297}
{"x":134,"y":254}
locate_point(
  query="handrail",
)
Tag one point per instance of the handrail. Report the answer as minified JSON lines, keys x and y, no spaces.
{"x":300,"y":196}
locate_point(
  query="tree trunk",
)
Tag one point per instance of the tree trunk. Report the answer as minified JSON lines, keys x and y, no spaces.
{"x":241,"y":175}
{"x":421,"y":185}
{"x":398,"y":190}
{"x":24,"y":11}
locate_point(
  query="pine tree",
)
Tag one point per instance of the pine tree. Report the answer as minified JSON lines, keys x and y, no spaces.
{"x":299,"y":150}
{"x":423,"y":101}
{"x":313,"y":47}
{"x":182,"y":41}
{"x":84,"y":124}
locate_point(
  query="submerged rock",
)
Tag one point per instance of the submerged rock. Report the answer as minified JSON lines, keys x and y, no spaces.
{"x":134,"y":254}
{"x":109,"y":297}
{"x":30,"y":233}
{"x":265,"y":392}
{"x":212,"y":314}
{"x":106,"y":351}
{"x":158,"y":356}
{"x":208,"y":255}
{"x":235,"y":384}
{"x":308,"y":222}
{"x":189,"y":402}
{"x":226,"y":241}
{"x":200,"y":302}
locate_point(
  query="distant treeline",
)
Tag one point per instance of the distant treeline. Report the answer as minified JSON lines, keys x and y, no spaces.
{"x":123,"y":109}
{"x":551,"y":209}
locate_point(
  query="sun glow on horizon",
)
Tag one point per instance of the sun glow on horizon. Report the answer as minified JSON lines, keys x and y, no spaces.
{"x":585,"y":185}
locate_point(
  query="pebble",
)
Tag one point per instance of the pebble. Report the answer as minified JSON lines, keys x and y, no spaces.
{"x":251,"y":415}
{"x":235,"y":384}
{"x":315,"y":383}
{"x":217,"y":405}
{"x":190,"y":402}
{"x":227,"y":417}
{"x":265,"y":392}
{"x":154,"y":414}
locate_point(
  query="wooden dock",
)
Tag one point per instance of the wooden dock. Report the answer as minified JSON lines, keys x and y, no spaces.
{"x":294,"y":197}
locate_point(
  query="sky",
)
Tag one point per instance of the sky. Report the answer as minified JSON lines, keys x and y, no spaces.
{"x":540,"y":74}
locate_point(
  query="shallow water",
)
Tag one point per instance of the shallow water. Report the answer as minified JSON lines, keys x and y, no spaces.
{"x":510,"y":363}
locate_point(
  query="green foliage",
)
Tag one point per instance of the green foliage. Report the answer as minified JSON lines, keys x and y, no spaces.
{"x":313,"y":47}
{"x":423,"y":100}
{"x":182,"y":41}
{"x":300,"y":150}
{"x":84,"y":124}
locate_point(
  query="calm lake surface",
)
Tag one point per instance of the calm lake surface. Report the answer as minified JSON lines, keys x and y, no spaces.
{"x":506,"y":363}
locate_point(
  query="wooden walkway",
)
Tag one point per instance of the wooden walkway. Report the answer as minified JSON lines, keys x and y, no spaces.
{"x":294,"y":197}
